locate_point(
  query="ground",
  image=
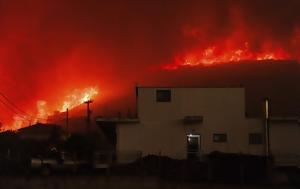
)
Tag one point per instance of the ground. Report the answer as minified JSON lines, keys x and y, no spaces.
{"x":114,"y":182}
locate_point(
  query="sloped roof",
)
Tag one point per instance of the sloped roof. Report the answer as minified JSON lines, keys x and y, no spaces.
{"x":39,"y":130}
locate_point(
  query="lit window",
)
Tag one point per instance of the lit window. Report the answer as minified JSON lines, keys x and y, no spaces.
{"x":255,"y":138}
{"x":219,"y":137}
{"x":163,"y":96}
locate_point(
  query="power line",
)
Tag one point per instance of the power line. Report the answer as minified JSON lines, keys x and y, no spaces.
{"x":13,"y":107}
{"x":13,"y":110}
{"x":12,"y":104}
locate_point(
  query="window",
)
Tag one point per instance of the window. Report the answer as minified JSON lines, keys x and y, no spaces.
{"x":163,"y":96}
{"x":255,"y":138}
{"x":220,"y":137}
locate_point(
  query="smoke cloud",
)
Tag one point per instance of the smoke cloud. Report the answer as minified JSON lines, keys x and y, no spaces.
{"x":51,"y":47}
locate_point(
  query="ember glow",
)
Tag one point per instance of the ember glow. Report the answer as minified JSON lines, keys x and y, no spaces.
{"x":219,"y":54}
{"x":74,"y":99}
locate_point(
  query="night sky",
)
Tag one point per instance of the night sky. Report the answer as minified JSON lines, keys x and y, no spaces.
{"x":49,"y":48}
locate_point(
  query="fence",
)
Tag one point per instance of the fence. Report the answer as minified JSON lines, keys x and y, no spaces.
{"x":125,"y":157}
{"x":111,"y":157}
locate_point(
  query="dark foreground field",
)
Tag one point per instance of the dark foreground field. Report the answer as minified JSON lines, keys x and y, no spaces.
{"x":112,"y":182}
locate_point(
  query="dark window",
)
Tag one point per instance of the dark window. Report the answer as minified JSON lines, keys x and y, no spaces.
{"x":220,"y":137}
{"x":255,"y":138}
{"x":163,"y":96}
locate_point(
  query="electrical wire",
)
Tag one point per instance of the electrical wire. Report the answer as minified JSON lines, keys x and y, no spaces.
{"x":13,"y":110}
{"x":12,"y":104}
{"x":13,"y":107}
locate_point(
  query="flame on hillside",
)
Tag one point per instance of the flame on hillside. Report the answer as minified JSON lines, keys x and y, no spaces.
{"x":78,"y":97}
{"x":213,"y":55}
{"x":72,"y":100}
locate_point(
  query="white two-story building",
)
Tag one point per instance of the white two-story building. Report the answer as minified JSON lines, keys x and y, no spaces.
{"x":189,"y":122}
{"x":178,"y":122}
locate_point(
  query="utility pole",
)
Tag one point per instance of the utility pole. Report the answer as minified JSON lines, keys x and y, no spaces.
{"x":267,"y":127}
{"x":67,"y":120}
{"x":88,"y":116}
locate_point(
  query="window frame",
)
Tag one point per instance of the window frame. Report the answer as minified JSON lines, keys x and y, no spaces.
{"x":255,"y":141}
{"x":222,"y":140}
{"x":163,"y":95}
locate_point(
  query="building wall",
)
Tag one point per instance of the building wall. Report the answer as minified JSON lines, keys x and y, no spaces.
{"x":284,"y":138}
{"x":162,"y":130}
{"x":285,"y":143}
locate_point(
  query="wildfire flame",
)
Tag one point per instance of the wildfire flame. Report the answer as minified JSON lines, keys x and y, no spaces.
{"x":78,"y":97}
{"x":71,"y":101}
{"x":216,"y":54}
